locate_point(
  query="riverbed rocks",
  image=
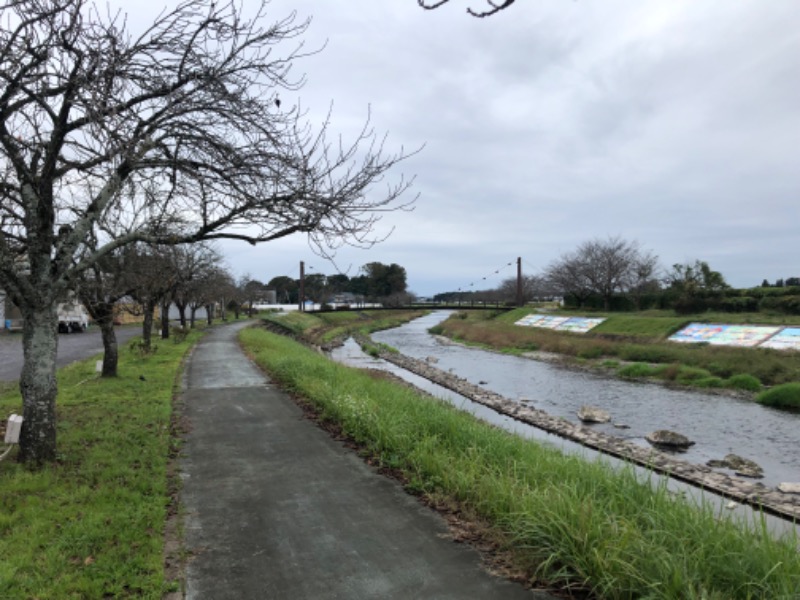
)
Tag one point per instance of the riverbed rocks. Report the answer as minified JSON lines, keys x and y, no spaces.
{"x":789,"y":488}
{"x":741,"y":466}
{"x":669,"y":440}
{"x":593,"y":414}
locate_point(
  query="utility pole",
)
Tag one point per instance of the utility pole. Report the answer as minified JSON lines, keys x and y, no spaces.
{"x":302,"y":298}
{"x":519,"y":281}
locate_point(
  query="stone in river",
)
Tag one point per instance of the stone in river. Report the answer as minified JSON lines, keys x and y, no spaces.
{"x":789,"y":488}
{"x":669,"y":439}
{"x":742,"y":466}
{"x":592,"y":414}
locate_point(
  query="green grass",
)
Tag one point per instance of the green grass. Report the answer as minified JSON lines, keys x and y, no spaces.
{"x":564,"y":520}
{"x":92,"y":524}
{"x":781,"y":396}
{"x":324,"y":328}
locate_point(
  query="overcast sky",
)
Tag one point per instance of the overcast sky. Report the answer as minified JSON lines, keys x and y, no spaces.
{"x":673,"y":123}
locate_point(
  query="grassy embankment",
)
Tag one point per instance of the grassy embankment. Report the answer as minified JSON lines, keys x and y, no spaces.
{"x":636,"y":346}
{"x":572,"y":523}
{"x":327,"y":327}
{"x":92,"y":524}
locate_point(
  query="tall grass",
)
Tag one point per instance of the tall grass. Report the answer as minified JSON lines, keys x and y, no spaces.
{"x":92,"y":524}
{"x":567,"y":521}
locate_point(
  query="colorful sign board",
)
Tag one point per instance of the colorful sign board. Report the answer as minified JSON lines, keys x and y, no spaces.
{"x":745,"y":336}
{"x":787,"y":339}
{"x":573,"y":324}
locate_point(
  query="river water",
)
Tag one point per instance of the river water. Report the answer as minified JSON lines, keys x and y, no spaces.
{"x":717,"y":424}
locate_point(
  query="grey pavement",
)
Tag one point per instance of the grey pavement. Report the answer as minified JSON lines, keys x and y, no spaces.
{"x":71,"y":347}
{"x":275,"y":508}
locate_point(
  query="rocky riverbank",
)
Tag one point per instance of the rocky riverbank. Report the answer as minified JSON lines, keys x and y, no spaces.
{"x":772,"y":500}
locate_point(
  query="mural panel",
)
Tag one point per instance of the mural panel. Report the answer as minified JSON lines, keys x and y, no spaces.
{"x":573,"y":324}
{"x":745,"y":336}
{"x":788,"y":339}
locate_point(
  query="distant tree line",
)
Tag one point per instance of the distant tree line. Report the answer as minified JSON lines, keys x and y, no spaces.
{"x":615,"y":274}
{"x":375,"y":282}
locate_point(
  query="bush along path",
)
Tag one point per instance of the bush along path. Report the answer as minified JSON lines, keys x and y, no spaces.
{"x":773,"y":501}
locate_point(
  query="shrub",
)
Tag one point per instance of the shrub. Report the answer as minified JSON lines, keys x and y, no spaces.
{"x":744,"y":381}
{"x":591,"y":352}
{"x":690,"y":375}
{"x":709,"y":382}
{"x":719,"y":369}
{"x":669,"y":372}
{"x":642,"y":353}
{"x":786,"y":395}
{"x":636,"y":370}
{"x":178,"y":334}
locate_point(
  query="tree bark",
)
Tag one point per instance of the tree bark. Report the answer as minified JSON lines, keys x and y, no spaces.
{"x":182,"y":313}
{"x":104,"y":318}
{"x":209,"y":313}
{"x":165,"y":320}
{"x":38,"y":385}
{"x":147,"y":325}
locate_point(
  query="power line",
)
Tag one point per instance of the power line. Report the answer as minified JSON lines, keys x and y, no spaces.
{"x":496,"y":272}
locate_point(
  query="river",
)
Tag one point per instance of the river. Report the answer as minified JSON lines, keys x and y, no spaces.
{"x":719,"y":424}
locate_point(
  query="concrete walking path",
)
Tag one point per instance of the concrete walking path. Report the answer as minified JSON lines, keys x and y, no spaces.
{"x":275,"y":508}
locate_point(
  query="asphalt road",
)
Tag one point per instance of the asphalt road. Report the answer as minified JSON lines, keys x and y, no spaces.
{"x":71,"y":347}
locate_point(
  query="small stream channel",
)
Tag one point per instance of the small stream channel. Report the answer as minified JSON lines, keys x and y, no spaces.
{"x":718,"y":424}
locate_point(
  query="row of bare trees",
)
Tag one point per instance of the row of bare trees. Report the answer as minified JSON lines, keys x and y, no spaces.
{"x":143,"y":278}
{"x":113,"y":138}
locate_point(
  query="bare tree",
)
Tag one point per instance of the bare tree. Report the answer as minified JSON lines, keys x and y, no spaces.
{"x":533,"y":287}
{"x":152,"y":278}
{"x":100,"y":288}
{"x":603,"y":267}
{"x":173,"y":131}
{"x":193,"y":265}
{"x":495,"y":7}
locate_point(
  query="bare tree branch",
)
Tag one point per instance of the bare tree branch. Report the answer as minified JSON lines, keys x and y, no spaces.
{"x":166,"y":136}
{"x":495,"y":7}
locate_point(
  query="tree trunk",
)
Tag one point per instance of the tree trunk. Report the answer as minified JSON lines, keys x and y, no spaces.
{"x":209,"y":313}
{"x":104,"y":317}
{"x":192,"y":316}
{"x":165,"y":319}
{"x":38,"y":385}
{"x":182,"y":313}
{"x":147,"y":326}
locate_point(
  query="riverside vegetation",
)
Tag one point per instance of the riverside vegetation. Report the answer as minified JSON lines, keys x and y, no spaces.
{"x":578,"y":525}
{"x":635,"y":346}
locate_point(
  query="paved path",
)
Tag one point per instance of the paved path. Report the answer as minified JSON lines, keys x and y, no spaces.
{"x":276,"y":509}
